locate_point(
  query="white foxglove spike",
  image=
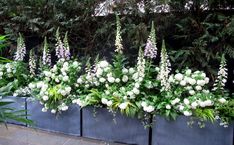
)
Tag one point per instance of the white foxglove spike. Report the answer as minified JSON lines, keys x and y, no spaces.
{"x":141,"y":64}
{"x":222,"y":75}
{"x":164,"y":69}
{"x":118,"y":40}
{"x":46,"y":58}
{"x":21,"y":49}
{"x":32,"y":63}
{"x":150,"y":48}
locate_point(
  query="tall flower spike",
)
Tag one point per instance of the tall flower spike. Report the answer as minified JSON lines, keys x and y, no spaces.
{"x":32,"y":63}
{"x":21,"y":49}
{"x":222,"y":75}
{"x":60,"y":50}
{"x":118,"y":40}
{"x":165,"y":69}
{"x":141,"y":64}
{"x":150,"y":48}
{"x":46,"y":58}
{"x":67,"y":53}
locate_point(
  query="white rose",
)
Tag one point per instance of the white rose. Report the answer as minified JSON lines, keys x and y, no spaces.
{"x":64,"y":108}
{"x":203,"y":75}
{"x":207,"y":80}
{"x":179,"y":77}
{"x":103,"y":64}
{"x":143,"y":104}
{"x":75,"y":64}
{"x":79,"y":80}
{"x":208,"y":103}
{"x":187,"y":113}
{"x":102,"y":80}
{"x":198,"y":88}
{"x":192,"y":81}
{"x":53,"y":111}
{"x":183,"y":83}
{"x":65,"y":78}
{"x":123,"y":105}
{"x":117,"y":80}
{"x":45,"y":98}
{"x":131,"y":70}
{"x":137,"y":85}
{"x":104,"y":101}
{"x":109,"y":103}
{"x":149,"y":109}
{"x":181,"y":107}
{"x":188,"y":72}
{"x":140,"y":79}
{"x":63,"y":92}
{"x":168,"y":106}
{"x":125,"y":78}
{"x":68,"y":89}
{"x":44,"y":110}
{"x":186,"y":101}
{"x":130,"y":93}
{"x":136,"y":91}
{"x":191,"y":92}
{"x":194,"y":105}
{"x":201,"y":82}
{"x":111,"y":79}
{"x":31,"y":86}
{"x":124,"y":71}
{"x":202,"y":104}
{"x":222,"y":100}
{"x":99,"y":72}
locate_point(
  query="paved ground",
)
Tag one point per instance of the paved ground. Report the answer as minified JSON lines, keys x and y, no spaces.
{"x":18,"y":135}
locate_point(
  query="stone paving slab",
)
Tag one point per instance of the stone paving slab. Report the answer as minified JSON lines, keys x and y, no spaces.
{"x":19,"y":135}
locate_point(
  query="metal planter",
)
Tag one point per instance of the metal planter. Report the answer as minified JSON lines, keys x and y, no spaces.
{"x":122,"y":130}
{"x":67,"y":122}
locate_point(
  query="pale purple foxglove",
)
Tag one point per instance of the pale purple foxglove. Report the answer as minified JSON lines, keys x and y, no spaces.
{"x":46,"y":58}
{"x":150,"y":48}
{"x":21,"y":49}
{"x":67,"y":53}
{"x":60,"y":49}
{"x":118,"y":40}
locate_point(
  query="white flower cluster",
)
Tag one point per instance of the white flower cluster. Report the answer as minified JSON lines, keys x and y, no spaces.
{"x":100,"y":74}
{"x":8,"y":70}
{"x":118,"y":39}
{"x":46,"y":58}
{"x":56,"y":86}
{"x":24,"y":91}
{"x":193,"y":82}
{"x":222,"y":76}
{"x":21,"y":49}
{"x":164,"y":69}
{"x":147,"y":108}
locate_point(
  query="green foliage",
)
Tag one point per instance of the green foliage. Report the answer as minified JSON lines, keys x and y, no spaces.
{"x":7,"y":113}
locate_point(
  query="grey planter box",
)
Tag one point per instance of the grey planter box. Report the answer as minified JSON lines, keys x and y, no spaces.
{"x":19,"y":104}
{"x":179,"y":133}
{"x":103,"y":127}
{"x":67,"y":122}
